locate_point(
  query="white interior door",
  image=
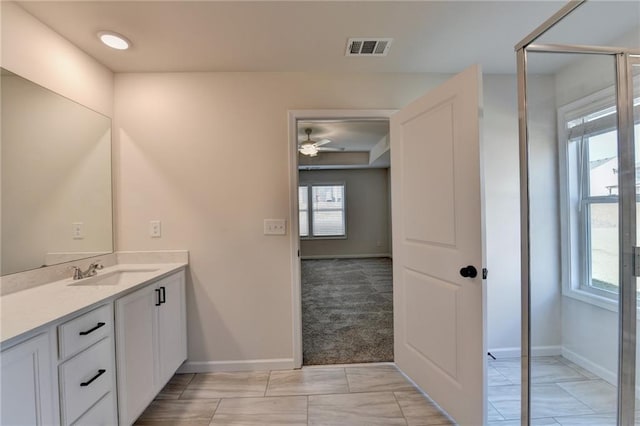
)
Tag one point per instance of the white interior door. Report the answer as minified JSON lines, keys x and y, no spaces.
{"x":439,"y":315}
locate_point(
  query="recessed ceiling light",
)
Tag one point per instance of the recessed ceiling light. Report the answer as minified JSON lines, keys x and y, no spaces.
{"x":114,"y":40}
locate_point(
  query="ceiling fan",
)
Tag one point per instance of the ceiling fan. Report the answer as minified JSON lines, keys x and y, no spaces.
{"x":311,"y":148}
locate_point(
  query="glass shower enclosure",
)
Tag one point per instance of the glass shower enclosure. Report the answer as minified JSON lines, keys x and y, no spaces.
{"x":579,"y":120}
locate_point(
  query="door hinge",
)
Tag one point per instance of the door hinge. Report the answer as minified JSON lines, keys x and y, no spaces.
{"x":298,"y":253}
{"x":636,"y":261}
{"x":485,"y":272}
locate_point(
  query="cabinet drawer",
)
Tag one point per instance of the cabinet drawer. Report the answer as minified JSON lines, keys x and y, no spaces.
{"x":101,"y":414}
{"x":85,"y":330}
{"x":86,"y":378}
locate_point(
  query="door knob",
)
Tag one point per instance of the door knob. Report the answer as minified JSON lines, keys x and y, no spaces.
{"x":469,"y":271}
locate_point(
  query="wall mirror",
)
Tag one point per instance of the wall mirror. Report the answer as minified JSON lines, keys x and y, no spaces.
{"x":55,"y":178}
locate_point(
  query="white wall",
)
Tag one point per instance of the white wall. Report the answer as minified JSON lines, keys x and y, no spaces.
{"x":208,"y":154}
{"x":35,"y":52}
{"x":367,"y":207}
{"x":544,"y":238}
{"x":590,"y":332}
{"x":502,"y":214}
{"x":590,"y":73}
{"x":183,"y":157}
{"x":502,"y":201}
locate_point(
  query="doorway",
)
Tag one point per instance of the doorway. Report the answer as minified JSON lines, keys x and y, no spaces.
{"x":438,"y":279}
{"x":345,"y":241}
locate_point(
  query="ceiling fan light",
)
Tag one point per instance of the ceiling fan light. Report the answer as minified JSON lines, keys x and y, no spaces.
{"x":309,"y":149}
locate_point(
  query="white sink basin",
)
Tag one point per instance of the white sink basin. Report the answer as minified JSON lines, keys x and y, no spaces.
{"x":113,"y":278}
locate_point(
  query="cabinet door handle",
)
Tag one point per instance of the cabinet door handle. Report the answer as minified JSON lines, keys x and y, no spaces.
{"x":100,"y":324}
{"x":100,"y":373}
{"x":163,"y":293}
{"x":159,"y":301}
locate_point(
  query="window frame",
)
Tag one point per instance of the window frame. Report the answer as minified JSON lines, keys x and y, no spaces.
{"x":575,"y":259}
{"x":574,"y":212}
{"x":300,"y":210}
{"x":310,"y":220}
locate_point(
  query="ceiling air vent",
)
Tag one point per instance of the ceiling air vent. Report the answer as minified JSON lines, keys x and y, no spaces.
{"x":368,"y":46}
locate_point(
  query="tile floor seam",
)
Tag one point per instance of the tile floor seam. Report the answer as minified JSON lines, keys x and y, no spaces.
{"x":321,"y":394}
{"x":307,"y":410}
{"x":226,"y":397}
{"x":346,"y":376}
{"x":266,"y":388}
{"x":574,"y":397}
{"x":497,"y":411}
{"x":190,"y":380}
{"x":186,"y":386}
{"x":400,"y":407}
{"x":596,"y":411}
{"x":502,"y":375}
{"x":215,"y":410}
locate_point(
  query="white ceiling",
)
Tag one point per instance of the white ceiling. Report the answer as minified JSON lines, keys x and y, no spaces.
{"x":353,"y":135}
{"x":429,"y":36}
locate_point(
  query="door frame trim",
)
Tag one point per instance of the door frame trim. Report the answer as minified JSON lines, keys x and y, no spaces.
{"x":294,"y":238}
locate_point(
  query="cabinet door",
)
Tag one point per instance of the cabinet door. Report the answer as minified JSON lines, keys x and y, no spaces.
{"x":28,"y":393}
{"x":173,"y":326}
{"x":136,"y":355}
{"x":101,"y":414}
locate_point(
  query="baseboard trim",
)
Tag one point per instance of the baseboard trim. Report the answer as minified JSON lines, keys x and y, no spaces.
{"x":243,"y":365}
{"x":591,"y":366}
{"x":514,"y":352}
{"x":344,"y":256}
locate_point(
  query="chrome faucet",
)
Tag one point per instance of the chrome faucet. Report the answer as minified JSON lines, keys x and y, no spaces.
{"x":92,"y":270}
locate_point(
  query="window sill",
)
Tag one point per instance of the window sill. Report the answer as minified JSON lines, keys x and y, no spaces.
{"x":337,"y":237}
{"x":607,"y":303}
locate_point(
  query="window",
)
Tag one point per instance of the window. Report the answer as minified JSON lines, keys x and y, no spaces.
{"x":303,"y":206}
{"x":589,"y":154}
{"x":322,"y":211}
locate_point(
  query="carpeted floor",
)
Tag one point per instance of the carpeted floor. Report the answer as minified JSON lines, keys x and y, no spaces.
{"x":347,"y":311}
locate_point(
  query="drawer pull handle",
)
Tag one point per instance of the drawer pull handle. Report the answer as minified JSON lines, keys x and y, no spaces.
{"x":163,"y":294}
{"x":100,"y":373}
{"x":159,"y":302}
{"x":100,"y":324}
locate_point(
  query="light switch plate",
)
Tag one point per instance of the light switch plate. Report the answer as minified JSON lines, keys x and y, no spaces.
{"x":155,"y":229}
{"x":275,"y":227}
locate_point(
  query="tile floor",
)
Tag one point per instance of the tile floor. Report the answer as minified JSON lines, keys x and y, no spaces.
{"x":562,"y":394}
{"x":359,"y":395}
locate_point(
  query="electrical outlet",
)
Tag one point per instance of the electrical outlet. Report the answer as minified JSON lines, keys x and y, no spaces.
{"x":155,"y":229}
{"x":275,"y":227}
{"x":77,"y":231}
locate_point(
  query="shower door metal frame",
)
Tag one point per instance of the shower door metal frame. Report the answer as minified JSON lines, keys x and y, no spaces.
{"x":624,"y":60}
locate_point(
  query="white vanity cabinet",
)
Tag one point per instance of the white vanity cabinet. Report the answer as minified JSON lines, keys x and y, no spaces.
{"x":65,"y":344}
{"x":87,"y":366}
{"x":151,"y":342}
{"x":29,"y":383}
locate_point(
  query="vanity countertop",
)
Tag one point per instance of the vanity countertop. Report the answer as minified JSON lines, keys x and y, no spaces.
{"x":25,"y":311}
